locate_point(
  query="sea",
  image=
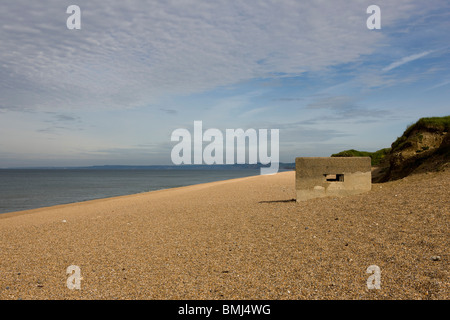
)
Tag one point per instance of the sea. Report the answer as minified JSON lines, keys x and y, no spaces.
{"x":23,"y":189}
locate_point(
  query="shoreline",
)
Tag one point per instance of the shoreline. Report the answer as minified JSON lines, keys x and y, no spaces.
{"x":64,"y":205}
{"x":234,"y":239}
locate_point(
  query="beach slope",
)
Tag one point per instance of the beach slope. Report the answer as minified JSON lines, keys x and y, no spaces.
{"x":238,"y":239}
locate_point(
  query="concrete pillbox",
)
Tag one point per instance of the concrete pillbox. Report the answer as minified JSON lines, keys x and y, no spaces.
{"x":317,"y":177}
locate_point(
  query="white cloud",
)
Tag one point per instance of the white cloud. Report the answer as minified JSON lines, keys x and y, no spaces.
{"x":132,"y":53}
{"x":438,"y":85}
{"x":158,"y":55}
{"x":407,"y":59}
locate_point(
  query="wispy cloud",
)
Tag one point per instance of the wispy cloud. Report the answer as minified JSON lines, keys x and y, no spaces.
{"x":447,"y":82}
{"x":139,"y":69}
{"x":125,"y":56}
{"x":407,"y":59}
{"x":61,"y":121}
{"x":344,"y":107}
{"x":169,"y":111}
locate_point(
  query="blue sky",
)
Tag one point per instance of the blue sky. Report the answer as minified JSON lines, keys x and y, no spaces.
{"x":113,"y":92}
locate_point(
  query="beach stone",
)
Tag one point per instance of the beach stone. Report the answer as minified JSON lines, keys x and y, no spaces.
{"x":436,"y":258}
{"x":179,"y":220}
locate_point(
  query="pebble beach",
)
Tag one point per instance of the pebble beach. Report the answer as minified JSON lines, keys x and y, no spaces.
{"x":244,"y":238}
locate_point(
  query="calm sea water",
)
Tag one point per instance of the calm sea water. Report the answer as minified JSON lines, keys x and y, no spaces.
{"x":22,"y":189}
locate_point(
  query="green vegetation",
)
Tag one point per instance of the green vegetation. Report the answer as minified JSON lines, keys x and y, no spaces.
{"x":412,"y":134}
{"x":437,"y":123}
{"x":431,"y":124}
{"x":375,"y":157}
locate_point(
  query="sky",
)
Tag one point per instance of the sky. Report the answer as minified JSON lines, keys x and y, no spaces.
{"x":113,"y":91}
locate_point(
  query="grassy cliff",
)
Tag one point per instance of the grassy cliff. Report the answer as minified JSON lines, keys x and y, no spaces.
{"x":424,"y":146}
{"x":414,"y":132}
{"x":376,"y":157}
